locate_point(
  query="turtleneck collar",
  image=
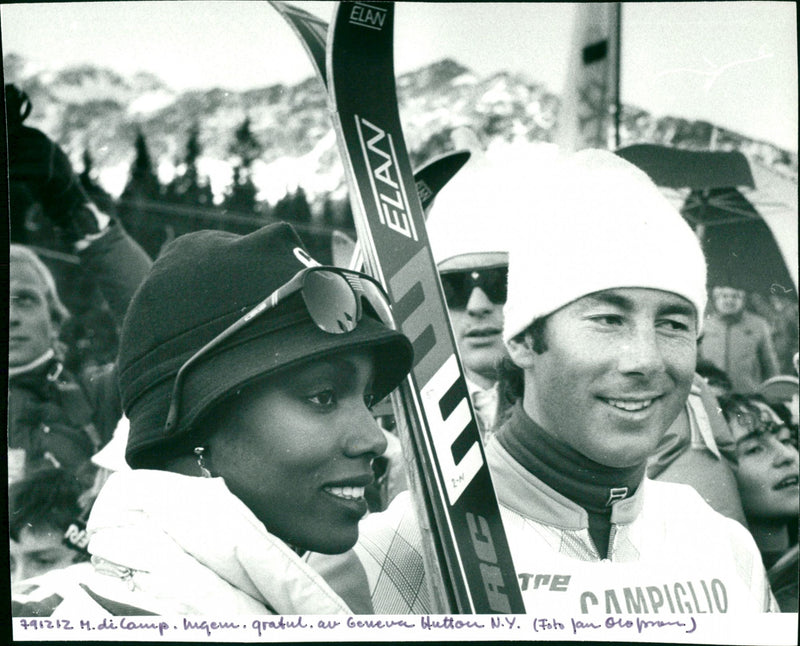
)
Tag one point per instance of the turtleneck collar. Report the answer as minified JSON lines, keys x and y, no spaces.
{"x":587,"y":483}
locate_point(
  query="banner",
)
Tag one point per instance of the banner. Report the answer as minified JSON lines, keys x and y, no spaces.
{"x":590,"y":99}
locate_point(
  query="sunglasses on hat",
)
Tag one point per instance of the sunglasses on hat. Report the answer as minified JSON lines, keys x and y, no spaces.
{"x":333,"y":297}
{"x":458,"y":285}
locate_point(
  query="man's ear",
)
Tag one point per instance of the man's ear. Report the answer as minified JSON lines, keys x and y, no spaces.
{"x":520,"y":349}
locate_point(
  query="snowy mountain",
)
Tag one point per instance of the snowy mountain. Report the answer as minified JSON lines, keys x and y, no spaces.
{"x":93,"y":108}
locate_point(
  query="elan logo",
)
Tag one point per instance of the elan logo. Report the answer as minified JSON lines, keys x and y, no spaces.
{"x":367,"y":15}
{"x":387,"y":189}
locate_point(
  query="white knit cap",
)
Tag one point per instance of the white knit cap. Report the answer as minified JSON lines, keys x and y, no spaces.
{"x":477,"y":210}
{"x":598,"y":222}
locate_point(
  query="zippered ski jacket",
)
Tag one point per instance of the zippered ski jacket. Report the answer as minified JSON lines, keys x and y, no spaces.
{"x":62,"y":418}
{"x":169,"y":544}
{"x":670,"y":553}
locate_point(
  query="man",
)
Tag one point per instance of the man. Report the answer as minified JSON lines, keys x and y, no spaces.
{"x":602,"y":321}
{"x":471,"y":252}
{"x":738,"y":341}
{"x":56,"y":418}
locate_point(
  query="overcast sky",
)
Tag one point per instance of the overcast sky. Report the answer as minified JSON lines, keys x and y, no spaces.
{"x":732,"y":63}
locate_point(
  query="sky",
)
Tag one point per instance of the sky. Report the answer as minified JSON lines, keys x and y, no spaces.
{"x":731,"y":63}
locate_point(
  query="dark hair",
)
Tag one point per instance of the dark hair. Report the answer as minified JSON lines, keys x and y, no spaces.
{"x":510,"y":377}
{"x":713,"y":375}
{"x":47,"y":496}
{"x":536,"y":331}
{"x":744,"y":408}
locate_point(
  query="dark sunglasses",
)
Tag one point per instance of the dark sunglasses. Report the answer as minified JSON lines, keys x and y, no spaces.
{"x":334,"y":300}
{"x":458,"y":285}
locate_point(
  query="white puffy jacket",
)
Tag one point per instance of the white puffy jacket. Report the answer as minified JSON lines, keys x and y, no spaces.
{"x":168,"y":544}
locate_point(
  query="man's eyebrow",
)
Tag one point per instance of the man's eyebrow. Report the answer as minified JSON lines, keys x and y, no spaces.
{"x":625,"y":303}
{"x":676,"y":308}
{"x":610,"y":298}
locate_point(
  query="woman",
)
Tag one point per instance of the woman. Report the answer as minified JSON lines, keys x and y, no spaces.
{"x":768,"y":478}
{"x":247,"y":374}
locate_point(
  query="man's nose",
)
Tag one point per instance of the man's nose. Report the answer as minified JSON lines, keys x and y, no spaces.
{"x":479,"y":302}
{"x":13,"y":313}
{"x":641,"y":352}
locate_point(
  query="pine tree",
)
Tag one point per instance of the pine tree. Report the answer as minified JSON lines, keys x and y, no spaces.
{"x":96,"y":193}
{"x":283,"y":208}
{"x":241,"y":199}
{"x":140,"y":207}
{"x":300,"y":210}
{"x":329,"y":217}
{"x":143,"y":179}
{"x":189,"y":187}
{"x":245,"y":149}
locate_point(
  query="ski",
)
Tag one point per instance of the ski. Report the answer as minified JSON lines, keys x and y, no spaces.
{"x":467,"y":546}
{"x":312,"y":32}
{"x":429,"y":180}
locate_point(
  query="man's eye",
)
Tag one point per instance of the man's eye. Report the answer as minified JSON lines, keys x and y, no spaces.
{"x":25,"y":300}
{"x":675,"y":325}
{"x":323,"y":398}
{"x":608,"y":319}
{"x":370,"y":400}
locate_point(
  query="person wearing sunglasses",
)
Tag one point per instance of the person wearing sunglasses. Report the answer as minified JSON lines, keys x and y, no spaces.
{"x":469,"y":240}
{"x":769,"y":482}
{"x":247,"y":373}
{"x":606,"y":293}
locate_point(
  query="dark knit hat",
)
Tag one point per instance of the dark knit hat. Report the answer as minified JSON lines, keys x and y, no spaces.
{"x":200,"y":284}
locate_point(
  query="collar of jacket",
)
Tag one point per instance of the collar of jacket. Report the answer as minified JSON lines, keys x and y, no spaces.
{"x":38,"y":367}
{"x":520,"y":490}
{"x":190,"y":541}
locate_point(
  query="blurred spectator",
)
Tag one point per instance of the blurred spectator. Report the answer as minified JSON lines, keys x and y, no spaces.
{"x":57,"y":417}
{"x":718,"y":382}
{"x":471,"y":253}
{"x":781,"y":312}
{"x":737,"y":341}
{"x":42,"y":509}
{"x":90,"y":339}
{"x":769,"y":481}
{"x":698,"y":449}
{"x":783,"y":394}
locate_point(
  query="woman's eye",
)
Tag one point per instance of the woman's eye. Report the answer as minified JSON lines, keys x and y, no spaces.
{"x":323,"y":398}
{"x":753,"y":449}
{"x":370,"y":400}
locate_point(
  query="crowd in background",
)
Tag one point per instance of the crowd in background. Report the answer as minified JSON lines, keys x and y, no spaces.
{"x":64,"y":406}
